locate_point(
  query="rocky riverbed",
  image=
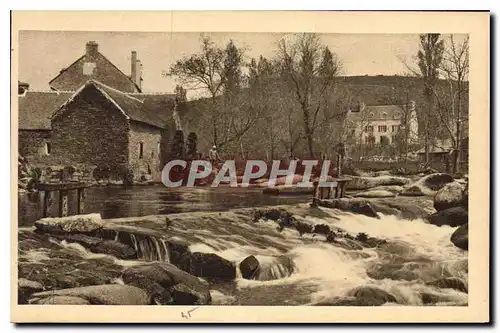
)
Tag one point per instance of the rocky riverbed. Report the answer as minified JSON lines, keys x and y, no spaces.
{"x":369,"y":251}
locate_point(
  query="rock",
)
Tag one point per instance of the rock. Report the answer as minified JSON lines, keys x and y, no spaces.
{"x":185,"y":295}
{"x":451,"y":195}
{"x":25,"y":288}
{"x":81,"y":239}
{"x":465,"y":196}
{"x":154,"y":279}
{"x":208,"y":265}
{"x":70,"y":224}
{"x":159,"y":279}
{"x":355,"y":206}
{"x":412,"y":191}
{"x":108,"y":294}
{"x":454,"y":217}
{"x":249,"y":268}
{"x":436,"y":181}
{"x":363,"y":183}
{"x":270,"y":214}
{"x":460,"y":238}
{"x":60,"y":300}
{"x":322,"y":229}
{"x":375,"y":194}
{"x":114,"y":248}
{"x":372,"y":295}
{"x":450,"y":282}
{"x":303,"y":227}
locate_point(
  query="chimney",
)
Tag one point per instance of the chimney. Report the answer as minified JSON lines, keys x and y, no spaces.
{"x":136,"y":69}
{"x":92,"y":48}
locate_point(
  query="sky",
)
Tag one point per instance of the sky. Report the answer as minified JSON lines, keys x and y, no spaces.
{"x":42,"y":54}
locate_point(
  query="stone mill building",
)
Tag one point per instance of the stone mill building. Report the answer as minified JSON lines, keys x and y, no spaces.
{"x":97,"y":115}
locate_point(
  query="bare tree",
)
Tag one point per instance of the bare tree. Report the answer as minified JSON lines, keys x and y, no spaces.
{"x":310,"y":69}
{"x":450,"y":99}
{"x":217,"y":72}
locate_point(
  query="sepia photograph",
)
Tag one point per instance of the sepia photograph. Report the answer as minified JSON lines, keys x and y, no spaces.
{"x":238,"y":168}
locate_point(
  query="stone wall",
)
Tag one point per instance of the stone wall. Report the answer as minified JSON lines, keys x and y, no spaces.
{"x":147,"y":166}
{"x":33,"y":142}
{"x":92,"y":130}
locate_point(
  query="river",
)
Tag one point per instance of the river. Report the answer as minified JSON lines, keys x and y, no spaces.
{"x":295,"y":269}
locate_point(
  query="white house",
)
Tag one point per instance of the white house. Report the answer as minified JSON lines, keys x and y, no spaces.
{"x":379,"y":124}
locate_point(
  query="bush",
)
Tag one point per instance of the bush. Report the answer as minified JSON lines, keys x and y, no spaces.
{"x":127,"y":176}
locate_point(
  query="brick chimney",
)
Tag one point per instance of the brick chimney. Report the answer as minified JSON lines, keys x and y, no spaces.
{"x":136,"y":69}
{"x":92,"y":49}
{"x":90,"y":58}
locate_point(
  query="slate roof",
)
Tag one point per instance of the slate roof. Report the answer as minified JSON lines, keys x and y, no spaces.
{"x":72,"y":77}
{"x":377,"y":112}
{"x":36,"y":107}
{"x":152,"y":109}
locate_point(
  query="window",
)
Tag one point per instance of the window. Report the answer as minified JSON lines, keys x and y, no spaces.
{"x":47,"y":148}
{"x":384,"y":140}
{"x":370,"y":140}
{"x":158,"y":148}
{"x":141,"y":150}
{"x":383,"y":115}
{"x":382,"y":128}
{"x":369,"y":129}
{"x":395,"y":128}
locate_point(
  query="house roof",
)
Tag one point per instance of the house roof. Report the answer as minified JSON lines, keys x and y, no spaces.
{"x":36,"y":107}
{"x":151,"y":109}
{"x":73,"y":77}
{"x":377,"y":112}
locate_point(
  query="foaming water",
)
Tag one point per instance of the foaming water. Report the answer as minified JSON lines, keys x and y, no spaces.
{"x":416,"y":253}
{"x":304,"y":269}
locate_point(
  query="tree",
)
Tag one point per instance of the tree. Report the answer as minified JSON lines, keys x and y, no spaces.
{"x":430,"y":57}
{"x":452,"y":100}
{"x":310,"y":70}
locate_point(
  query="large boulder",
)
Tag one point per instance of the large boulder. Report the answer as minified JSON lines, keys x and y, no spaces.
{"x":25,"y":288}
{"x":249,"y":268}
{"x":371,"y":295}
{"x":454,"y":217}
{"x":355,"y":206}
{"x":450,"y":282}
{"x":208,"y":265}
{"x":114,"y":248}
{"x":364,"y":183}
{"x":451,"y":195}
{"x":460,"y":238}
{"x":70,"y":224}
{"x":152,"y":278}
{"x":110,"y":294}
{"x":428,"y":185}
{"x":436,"y":181}
{"x":168,"y":284}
